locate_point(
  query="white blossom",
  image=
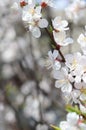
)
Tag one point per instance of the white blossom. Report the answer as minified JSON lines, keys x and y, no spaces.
{"x":72,"y":122}
{"x":52,"y":60}
{"x":33,"y":18}
{"x":60,"y":38}
{"x":62,"y":80}
{"x":82,"y":42}
{"x":59,"y":24}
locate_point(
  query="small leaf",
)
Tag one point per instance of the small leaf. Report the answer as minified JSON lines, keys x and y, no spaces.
{"x":55,"y":127}
{"x":70,"y":108}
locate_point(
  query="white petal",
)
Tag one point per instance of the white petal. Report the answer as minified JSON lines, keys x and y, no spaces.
{"x":64,"y":23}
{"x":50,"y":54}
{"x":55,"y":54}
{"x":59,"y":37}
{"x":82,"y":40}
{"x":56,"y":20}
{"x":83,"y":97}
{"x":43,"y":23}
{"x":36,"y":32}
{"x":75,"y":93}
{"x":64,"y":125}
{"x":67,"y":87}
{"x":38,"y":10}
{"x":78,"y":79}
{"x":82,"y":108}
{"x":58,"y":74}
{"x":26,"y":16}
{"x":78,"y":85}
{"x":59,"y":83}
{"x":68,"y":41}
{"x":72,"y":118}
{"x":15,"y":6}
{"x":57,"y":65}
{"x":84,"y":77}
{"x":31,"y":2}
{"x":71,"y":78}
{"x":51,"y":4}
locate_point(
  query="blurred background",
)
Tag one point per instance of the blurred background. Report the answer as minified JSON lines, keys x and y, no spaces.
{"x":28,"y":98}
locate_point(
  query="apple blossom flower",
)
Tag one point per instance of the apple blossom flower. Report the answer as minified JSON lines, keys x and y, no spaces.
{"x":74,"y":122}
{"x":53,"y":61}
{"x":33,"y":18}
{"x":72,"y":60}
{"x":62,"y":80}
{"x":60,"y":38}
{"x":16,"y":5}
{"x":59,"y":24}
{"x":82,"y":42}
{"x":76,"y":64}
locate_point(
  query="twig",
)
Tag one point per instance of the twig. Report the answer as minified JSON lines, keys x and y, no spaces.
{"x":57,"y":46}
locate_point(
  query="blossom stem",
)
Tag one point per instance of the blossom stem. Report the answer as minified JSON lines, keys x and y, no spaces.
{"x":57,"y":46}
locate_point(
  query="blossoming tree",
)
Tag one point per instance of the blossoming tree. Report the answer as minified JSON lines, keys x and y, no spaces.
{"x":69,"y":71}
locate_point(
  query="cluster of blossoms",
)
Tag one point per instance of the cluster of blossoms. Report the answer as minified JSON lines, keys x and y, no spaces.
{"x":74,"y":122}
{"x":69,"y":70}
{"x":74,"y":11}
{"x":32,"y":15}
{"x":71,"y":77}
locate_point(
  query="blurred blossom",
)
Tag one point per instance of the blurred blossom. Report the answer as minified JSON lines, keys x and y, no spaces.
{"x":50,"y":116}
{"x":31,"y":108}
{"x":1,"y":107}
{"x":42,"y":127}
{"x":4,"y":3}
{"x":9,"y":116}
{"x":19,"y":99}
{"x":28,"y":87}
{"x":10,"y":34}
{"x":44,"y":84}
{"x":45,"y":102}
{"x":10,"y":53}
{"x":7,"y":71}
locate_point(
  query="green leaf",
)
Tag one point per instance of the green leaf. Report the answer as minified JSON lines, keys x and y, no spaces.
{"x":55,"y":127}
{"x":70,"y":108}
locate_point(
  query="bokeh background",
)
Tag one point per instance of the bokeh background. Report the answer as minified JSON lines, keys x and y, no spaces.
{"x":28,"y":98}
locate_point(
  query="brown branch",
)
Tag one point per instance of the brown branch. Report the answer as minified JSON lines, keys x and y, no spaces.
{"x":57,"y":46}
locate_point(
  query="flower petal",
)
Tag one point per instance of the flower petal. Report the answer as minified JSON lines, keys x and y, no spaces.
{"x":36,"y":32}
{"x":43,"y":23}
